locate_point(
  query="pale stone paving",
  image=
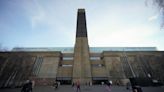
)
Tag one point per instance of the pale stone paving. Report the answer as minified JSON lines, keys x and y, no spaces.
{"x":94,"y":88}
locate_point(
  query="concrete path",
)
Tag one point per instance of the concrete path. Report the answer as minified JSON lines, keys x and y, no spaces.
{"x":95,"y":88}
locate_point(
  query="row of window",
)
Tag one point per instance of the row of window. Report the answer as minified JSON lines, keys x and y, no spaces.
{"x":93,"y":65}
{"x":71,"y":58}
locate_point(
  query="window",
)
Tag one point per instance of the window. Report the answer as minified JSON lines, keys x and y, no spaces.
{"x":67,"y":58}
{"x":66,"y":65}
{"x":95,"y":58}
{"x":97,"y":65}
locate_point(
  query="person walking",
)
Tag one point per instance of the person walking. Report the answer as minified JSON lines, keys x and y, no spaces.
{"x":128,"y":85}
{"x":30,"y":84}
{"x":55,"y":85}
{"x":26,"y":87}
{"x":73,"y":84}
{"x":108,"y":86}
{"x":33,"y":83}
{"x":78,"y":86}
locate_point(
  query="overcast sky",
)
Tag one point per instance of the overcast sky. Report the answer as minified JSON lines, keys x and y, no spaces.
{"x":52,"y":23}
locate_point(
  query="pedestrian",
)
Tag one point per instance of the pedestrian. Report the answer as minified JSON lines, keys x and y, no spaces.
{"x":55,"y":85}
{"x":90,"y":83}
{"x":78,"y":86}
{"x":102,"y":83}
{"x":108,"y":86}
{"x":59,"y":83}
{"x":110,"y":82}
{"x":128,"y":85}
{"x":73,"y":84}
{"x":25,"y":87}
{"x":30,"y":84}
{"x":33,"y":84}
{"x":117,"y":83}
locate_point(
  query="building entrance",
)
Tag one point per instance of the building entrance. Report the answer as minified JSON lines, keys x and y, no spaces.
{"x":99,"y":80}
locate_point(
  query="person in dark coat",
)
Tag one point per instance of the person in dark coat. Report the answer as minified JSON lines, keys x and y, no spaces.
{"x":26,"y":87}
{"x":55,"y":85}
{"x":128,"y":85}
{"x":73,"y":84}
{"x":108,"y":86}
{"x":30,"y":86}
{"x":78,"y":86}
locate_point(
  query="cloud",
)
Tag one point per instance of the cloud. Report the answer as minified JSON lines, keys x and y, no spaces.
{"x":124,"y":36}
{"x":39,"y":16}
{"x":152,"y":18}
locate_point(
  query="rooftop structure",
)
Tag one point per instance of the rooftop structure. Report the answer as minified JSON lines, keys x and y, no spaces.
{"x":92,"y":49}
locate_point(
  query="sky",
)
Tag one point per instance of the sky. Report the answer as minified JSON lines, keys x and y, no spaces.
{"x":52,"y":23}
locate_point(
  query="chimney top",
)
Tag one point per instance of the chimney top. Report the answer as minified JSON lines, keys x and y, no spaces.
{"x":81,"y":10}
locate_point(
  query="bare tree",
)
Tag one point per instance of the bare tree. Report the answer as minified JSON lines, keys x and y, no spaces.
{"x":3,"y":48}
{"x":160,"y":5}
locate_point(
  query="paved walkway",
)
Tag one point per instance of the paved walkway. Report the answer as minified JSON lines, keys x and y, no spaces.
{"x":95,"y":88}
